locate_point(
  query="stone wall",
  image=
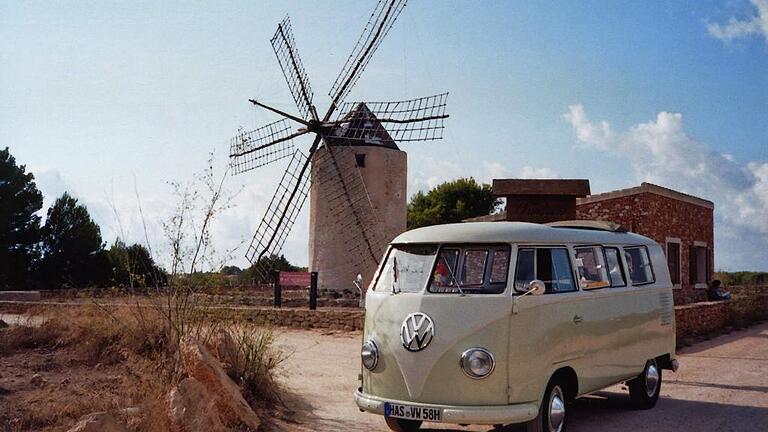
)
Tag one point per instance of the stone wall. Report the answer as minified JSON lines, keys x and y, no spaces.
{"x":334,"y":319}
{"x":749,"y":304}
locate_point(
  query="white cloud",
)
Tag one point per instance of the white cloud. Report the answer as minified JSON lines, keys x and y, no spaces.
{"x":597,"y":134}
{"x":424,"y":173}
{"x":737,"y":29}
{"x":530,"y":172}
{"x":51,"y":184}
{"x":427,"y":172}
{"x":661,"y":151}
{"x":495,"y":170}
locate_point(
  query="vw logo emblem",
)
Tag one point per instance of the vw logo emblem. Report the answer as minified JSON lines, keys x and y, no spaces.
{"x":417,"y":331}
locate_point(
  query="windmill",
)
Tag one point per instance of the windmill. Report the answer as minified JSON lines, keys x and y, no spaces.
{"x":331,"y":168}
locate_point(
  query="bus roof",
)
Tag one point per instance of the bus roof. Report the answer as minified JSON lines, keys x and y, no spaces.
{"x":516,"y":232}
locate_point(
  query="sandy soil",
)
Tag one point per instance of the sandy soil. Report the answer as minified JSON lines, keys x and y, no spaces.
{"x":722,"y":386}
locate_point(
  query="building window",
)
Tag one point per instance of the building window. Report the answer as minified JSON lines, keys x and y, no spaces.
{"x":698,"y":266}
{"x":673,"y":260}
{"x":360,"y":160}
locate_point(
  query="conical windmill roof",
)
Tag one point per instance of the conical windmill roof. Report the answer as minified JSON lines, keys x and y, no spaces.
{"x":363,"y":129}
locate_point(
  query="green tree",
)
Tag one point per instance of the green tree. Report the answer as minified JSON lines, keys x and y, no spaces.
{"x":231,"y":270}
{"x":133,"y":266}
{"x":19,"y":225}
{"x":73,"y":252}
{"x":450,"y":202}
{"x":272,"y":262}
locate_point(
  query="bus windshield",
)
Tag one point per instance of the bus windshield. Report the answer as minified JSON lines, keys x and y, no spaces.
{"x":407,"y":268}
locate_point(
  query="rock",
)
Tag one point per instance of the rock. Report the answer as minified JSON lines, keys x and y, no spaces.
{"x":3,"y":324}
{"x":226,"y":349}
{"x":191,"y":408}
{"x":38,"y":381}
{"x":201,"y":365}
{"x":98,"y":422}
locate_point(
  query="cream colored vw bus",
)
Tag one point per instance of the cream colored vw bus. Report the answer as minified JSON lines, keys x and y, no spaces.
{"x":507,"y":322}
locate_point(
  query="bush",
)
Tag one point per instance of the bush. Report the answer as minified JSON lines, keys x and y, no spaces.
{"x":252,"y":364}
{"x":747,"y":278}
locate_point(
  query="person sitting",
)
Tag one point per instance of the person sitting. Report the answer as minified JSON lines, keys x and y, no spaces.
{"x":716,"y":293}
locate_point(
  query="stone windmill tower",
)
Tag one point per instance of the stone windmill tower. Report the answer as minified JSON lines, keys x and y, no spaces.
{"x":383,"y":169}
{"x":354,"y":171}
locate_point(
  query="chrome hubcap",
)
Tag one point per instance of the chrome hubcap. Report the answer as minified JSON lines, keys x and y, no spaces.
{"x":651,"y":379}
{"x":556,"y":410}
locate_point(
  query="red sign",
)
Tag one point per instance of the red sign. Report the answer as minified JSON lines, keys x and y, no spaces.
{"x":295,"y":278}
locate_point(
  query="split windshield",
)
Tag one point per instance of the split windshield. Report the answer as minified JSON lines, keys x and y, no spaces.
{"x":406,"y":268}
{"x":453,"y":269}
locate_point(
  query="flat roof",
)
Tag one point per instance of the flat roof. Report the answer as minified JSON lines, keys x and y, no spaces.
{"x":566,"y":187}
{"x":647,"y":188}
{"x":515,"y":232}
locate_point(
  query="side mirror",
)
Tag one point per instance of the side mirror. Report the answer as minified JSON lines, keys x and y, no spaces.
{"x":536,"y":287}
{"x":359,"y":284}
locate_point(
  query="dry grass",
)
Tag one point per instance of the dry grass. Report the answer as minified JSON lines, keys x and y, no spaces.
{"x":254,"y":366}
{"x":95,"y":358}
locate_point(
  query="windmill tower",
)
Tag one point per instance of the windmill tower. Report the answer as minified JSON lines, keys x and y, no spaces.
{"x":353,"y":169}
{"x":382,"y":167}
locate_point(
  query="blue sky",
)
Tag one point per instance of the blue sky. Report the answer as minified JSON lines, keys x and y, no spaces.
{"x":113,"y":99}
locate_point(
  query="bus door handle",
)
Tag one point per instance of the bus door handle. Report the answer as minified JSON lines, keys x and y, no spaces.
{"x":577,"y":319}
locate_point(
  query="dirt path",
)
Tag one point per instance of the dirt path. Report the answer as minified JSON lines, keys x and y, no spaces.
{"x":722,"y":386}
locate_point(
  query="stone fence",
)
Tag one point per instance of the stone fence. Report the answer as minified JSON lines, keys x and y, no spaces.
{"x":749,"y":304}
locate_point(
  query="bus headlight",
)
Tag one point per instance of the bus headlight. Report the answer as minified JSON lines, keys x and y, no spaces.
{"x":369,"y":354}
{"x":477,"y":363}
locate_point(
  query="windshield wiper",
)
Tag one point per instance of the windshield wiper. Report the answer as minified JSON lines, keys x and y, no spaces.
{"x":394,"y":274}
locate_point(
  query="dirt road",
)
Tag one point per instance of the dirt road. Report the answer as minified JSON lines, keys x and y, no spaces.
{"x":722,"y":386}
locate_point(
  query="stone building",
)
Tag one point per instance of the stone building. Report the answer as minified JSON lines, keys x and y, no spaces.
{"x":683,"y":224}
{"x":382,"y":167}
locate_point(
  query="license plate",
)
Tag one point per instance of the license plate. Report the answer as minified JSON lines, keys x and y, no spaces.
{"x":411,"y":412}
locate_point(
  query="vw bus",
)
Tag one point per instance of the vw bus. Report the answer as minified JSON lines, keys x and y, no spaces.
{"x":507,"y":322}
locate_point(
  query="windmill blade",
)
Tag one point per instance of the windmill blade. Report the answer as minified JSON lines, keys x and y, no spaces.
{"x":259,"y":147}
{"x":421,"y":119}
{"x":349,"y":205}
{"x":294,"y":72}
{"x":383,"y":17}
{"x":281,"y":213}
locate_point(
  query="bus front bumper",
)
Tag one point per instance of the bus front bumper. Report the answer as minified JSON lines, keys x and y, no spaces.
{"x":487,"y":414}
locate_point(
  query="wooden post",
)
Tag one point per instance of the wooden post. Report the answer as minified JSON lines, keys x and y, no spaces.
{"x":278,"y":290}
{"x":313,"y":291}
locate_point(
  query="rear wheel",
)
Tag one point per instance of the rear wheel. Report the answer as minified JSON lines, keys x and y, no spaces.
{"x":552,"y":416}
{"x":402,"y":425}
{"x":644,"y":390}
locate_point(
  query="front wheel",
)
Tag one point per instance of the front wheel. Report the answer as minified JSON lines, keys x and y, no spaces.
{"x":552,"y":416}
{"x":402,"y":425}
{"x":645,"y":389}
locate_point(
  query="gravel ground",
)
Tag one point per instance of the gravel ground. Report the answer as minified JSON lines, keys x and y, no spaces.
{"x":722,"y":385}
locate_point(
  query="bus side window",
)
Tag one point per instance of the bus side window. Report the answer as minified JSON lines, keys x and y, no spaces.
{"x":615,"y":269}
{"x":550,"y":265}
{"x":525,"y":271}
{"x":640,"y":270}
{"x":559,"y":277}
{"x":591,"y":268}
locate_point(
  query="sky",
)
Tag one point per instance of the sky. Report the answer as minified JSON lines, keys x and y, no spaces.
{"x":111,"y":101}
